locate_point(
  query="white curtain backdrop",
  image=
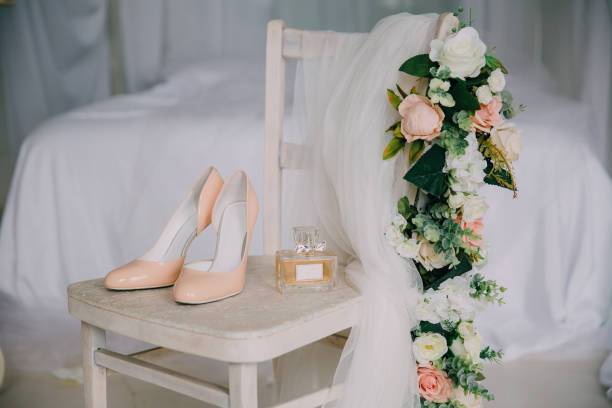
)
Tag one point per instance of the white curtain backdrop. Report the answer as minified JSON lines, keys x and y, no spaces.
{"x":53,"y":58}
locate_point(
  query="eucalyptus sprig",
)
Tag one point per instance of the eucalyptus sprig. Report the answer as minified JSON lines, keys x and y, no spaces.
{"x":447,"y":404}
{"x":464,"y":373}
{"x":487,"y":290}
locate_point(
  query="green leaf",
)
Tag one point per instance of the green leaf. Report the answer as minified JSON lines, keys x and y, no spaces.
{"x":418,"y":65}
{"x":498,"y":177}
{"x":426,"y":327}
{"x":464,"y":99}
{"x":448,"y":273}
{"x":394,"y":100}
{"x":407,"y":210}
{"x":493,"y":63}
{"x":427,"y":172}
{"x":401,"y":91}
{"x":416,"y":148}
{"x":393,"y":126}
{"x":395,"y":145}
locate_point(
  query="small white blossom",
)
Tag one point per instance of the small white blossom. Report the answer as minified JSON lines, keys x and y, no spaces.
{"x":466,"y":171}
{"x":466,"y":329}
{"x":474,"y":207}
{"x":468,"y":399}
{"x":497,"y":81}
{"x":484,"y":95}
{"x":457,"y":291}
{"x":436,"y":84}
{"x":432,"y":307}
{"x":399,"y":222}
{"x":394,"y":235}
{"x":408,"y":249}
{"x":456,"y":200}
{"x":457,"y":348}
{"x":473,"y":346}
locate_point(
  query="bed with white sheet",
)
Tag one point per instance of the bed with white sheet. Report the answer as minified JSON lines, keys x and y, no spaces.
{"x":94,"y":187}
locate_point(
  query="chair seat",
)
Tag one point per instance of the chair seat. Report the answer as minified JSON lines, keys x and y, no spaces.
{"x":257,"y":325}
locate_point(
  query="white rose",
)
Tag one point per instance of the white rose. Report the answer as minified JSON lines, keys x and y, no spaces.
{"x":468,"y":399}
{"x":429,"y":347}
{"x":462,"y":52}
{"x":408,"y":249}
{"x":428,"y":257}
{"x":394,"y":235}
{"x":497,"y":81}
{"x":484,"y":95}
{"x":474,"y":207}
{"x":456,"y":200}
{"x":473,"y":346}
{"x":457,"y":348}
{"x":508,"y":140}
{"x":466,"y":329}
{"x":399,"y":222}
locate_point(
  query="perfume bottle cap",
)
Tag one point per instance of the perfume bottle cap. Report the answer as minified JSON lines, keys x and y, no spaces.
{"x":307,"y":241}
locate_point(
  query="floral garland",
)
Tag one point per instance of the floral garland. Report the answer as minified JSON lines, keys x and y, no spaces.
{"x":458,"y":140}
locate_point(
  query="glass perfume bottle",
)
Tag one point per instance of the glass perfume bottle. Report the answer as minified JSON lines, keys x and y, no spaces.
{"x":308,"y":267}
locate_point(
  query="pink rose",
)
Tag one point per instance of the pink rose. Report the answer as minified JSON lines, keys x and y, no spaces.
{"x":421,"y":119}
{"x":476,"y":228}
{"x":488,"y":115}
{"x":434,"y":384}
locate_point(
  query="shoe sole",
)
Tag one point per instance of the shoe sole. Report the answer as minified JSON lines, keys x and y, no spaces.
{"x":208,"y":301}
{"x":140,"y":288}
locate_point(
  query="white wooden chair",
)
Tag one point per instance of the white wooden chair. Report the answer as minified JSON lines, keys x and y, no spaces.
{"x":258,"y":325}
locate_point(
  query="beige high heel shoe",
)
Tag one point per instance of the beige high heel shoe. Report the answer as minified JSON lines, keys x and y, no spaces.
{"x":234,"y":217}
{"x":162,"y":264}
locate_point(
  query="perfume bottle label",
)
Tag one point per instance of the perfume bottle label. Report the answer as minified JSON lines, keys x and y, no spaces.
{"x":313,"y":271}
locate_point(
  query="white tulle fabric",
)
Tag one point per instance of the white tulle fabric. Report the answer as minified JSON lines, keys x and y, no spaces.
{"x":341,"y":108}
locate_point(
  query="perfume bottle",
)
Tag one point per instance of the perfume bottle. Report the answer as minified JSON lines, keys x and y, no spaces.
{"x":308,"y":267}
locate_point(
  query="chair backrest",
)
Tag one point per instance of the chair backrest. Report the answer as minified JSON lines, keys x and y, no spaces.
{"x":283,"y":43}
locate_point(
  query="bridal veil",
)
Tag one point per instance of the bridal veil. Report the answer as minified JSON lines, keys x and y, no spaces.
{"x":340,"y":112}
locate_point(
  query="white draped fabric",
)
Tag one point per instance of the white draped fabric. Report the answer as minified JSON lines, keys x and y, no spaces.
{"x":52,"y":58}
{"x":353,"y":197}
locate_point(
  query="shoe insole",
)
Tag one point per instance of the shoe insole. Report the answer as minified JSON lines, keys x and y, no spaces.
{"x":231,"y":238}
{"x":182,"y":228}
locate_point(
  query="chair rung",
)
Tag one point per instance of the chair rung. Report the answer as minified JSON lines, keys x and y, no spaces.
{"x":314,"y":399}
{"x":163,"y":377}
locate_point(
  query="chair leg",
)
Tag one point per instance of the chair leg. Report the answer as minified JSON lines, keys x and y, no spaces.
{"x":243,"y":385}
{"x":94,"y":376}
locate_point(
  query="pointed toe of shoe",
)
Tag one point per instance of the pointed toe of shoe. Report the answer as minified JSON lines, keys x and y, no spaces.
{"x":118,"y":279}
{"x":140,"y":274}
{"x":195,"y":286}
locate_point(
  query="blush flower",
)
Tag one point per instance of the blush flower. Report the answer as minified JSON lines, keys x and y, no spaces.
{"x":476,"y":226}
{"x":421,"y":119}
{"x":488,"y":115}
{"x":434,"y":384}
